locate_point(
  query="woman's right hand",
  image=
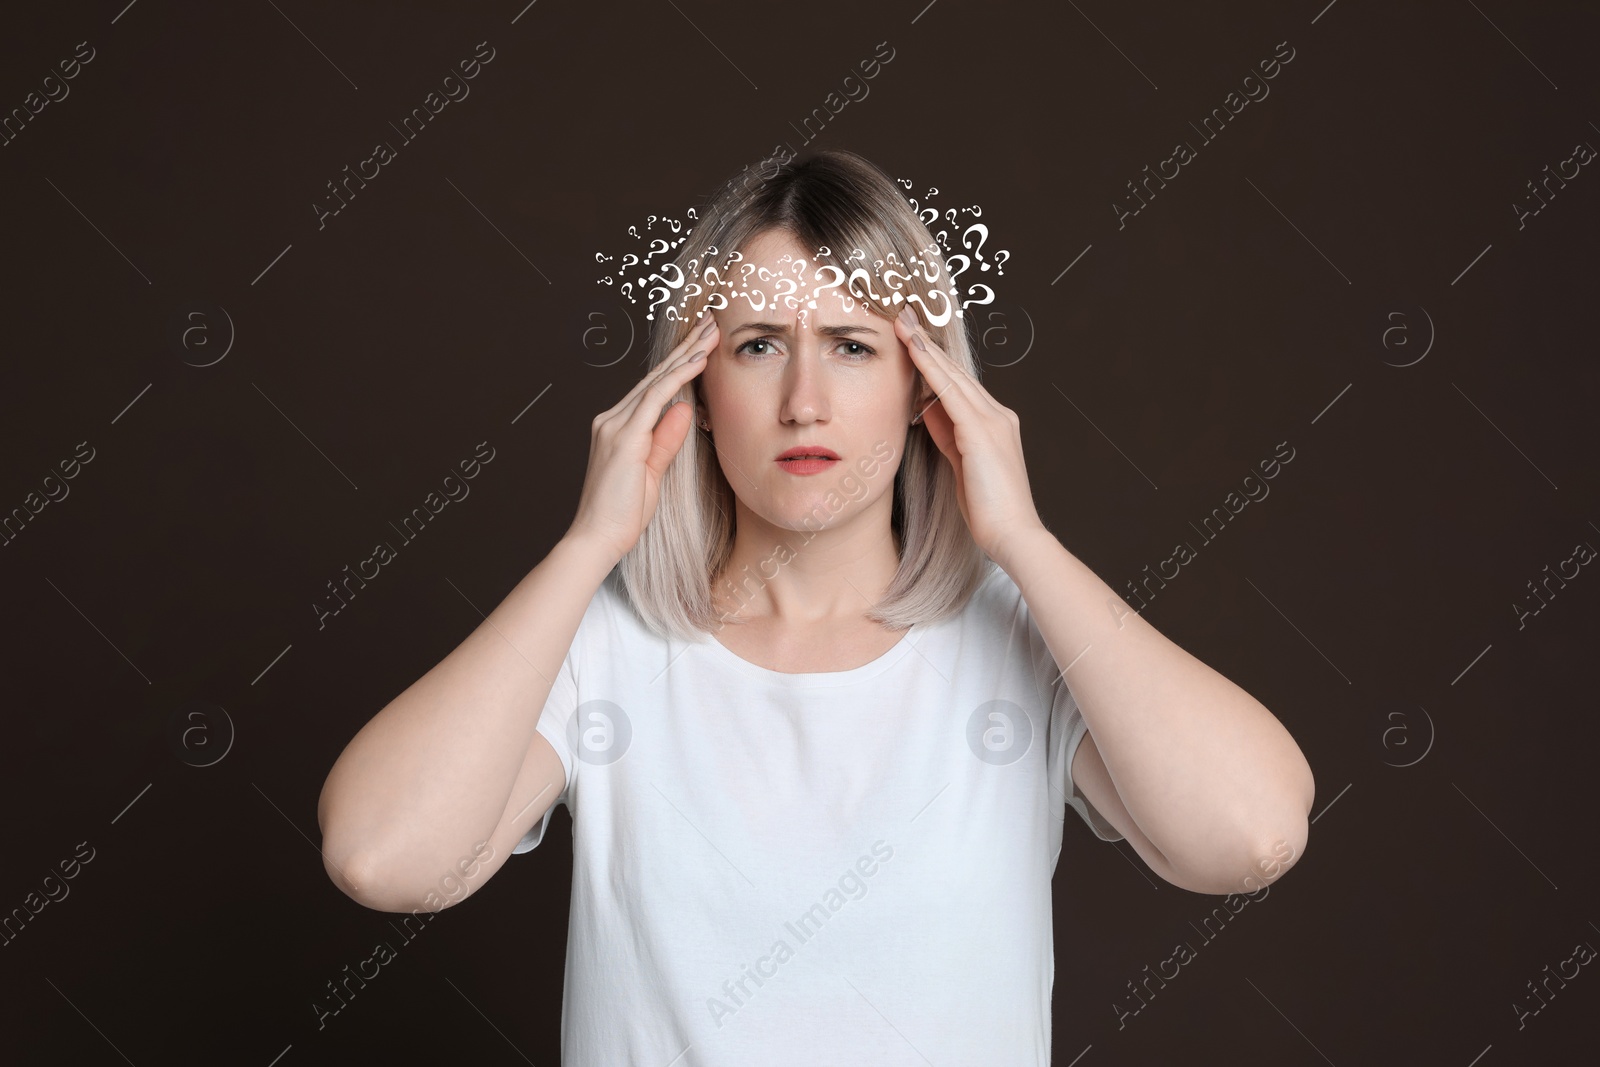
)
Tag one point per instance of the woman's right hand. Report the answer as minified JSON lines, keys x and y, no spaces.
{"x":629,"y":450}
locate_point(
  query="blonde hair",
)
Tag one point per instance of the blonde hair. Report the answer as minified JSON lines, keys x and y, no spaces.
{"x":835,"y":200}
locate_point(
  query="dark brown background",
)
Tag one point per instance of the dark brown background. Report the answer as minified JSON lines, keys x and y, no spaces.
{"x":1174,"y":355}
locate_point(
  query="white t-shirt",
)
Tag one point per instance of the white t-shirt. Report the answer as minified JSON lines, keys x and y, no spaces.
{"x":844,"y":867}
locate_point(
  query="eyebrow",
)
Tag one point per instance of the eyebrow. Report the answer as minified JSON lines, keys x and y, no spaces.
{"x":783,"y":328}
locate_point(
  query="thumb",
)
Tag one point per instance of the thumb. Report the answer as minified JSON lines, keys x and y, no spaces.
{"x":667,"y":438}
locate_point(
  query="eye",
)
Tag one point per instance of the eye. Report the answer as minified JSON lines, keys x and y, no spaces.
{"x":753,"y":341}
{"x":861,"y":354}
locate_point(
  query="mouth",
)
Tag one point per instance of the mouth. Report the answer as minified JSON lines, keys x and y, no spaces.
{"x":808,"y":459}
{"x":809,"y":452}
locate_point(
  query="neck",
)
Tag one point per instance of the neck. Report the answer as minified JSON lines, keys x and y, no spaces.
{"x":803,"y":576}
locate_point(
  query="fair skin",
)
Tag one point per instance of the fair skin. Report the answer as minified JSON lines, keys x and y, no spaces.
{"x":782,"y":377}
{"x":1203,"y":781}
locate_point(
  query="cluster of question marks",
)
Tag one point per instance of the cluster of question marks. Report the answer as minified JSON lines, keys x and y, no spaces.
{"x":721,"y":281}
{"x":931,"y":217}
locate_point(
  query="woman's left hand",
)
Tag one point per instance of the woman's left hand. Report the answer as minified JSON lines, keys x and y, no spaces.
{"x":981,"y":438}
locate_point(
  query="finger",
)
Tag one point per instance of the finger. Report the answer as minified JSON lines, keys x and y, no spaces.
{"x":666,"y":440}
{"x":956,"y":388}
{"x":647,"y":408}
{"x":701,"y":331}
{"x":702,"y":339}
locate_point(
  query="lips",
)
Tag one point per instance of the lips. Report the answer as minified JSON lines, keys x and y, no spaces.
{"x":809,"y":452}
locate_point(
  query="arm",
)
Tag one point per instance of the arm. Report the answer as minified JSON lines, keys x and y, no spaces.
{"x":432,"y":774}
{"x":1205,"y":783}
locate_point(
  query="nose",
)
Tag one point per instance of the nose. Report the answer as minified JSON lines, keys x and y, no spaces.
{"x":805,"y":397}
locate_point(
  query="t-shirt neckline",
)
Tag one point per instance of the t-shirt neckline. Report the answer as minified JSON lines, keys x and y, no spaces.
{"x":815,"y":679}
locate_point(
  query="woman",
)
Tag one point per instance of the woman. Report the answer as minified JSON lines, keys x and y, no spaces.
{"x":816,"y":742}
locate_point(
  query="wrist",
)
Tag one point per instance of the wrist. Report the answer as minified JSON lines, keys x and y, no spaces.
{"x":1020,"y":544}
{"x":579,"y":550}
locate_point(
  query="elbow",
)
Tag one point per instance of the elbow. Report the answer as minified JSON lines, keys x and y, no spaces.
{"x":1266,"y":859}
{"x":354,"y":865}
{"x":1275,"y":852}
{"x":1278,"y":845}
{"x":365,"y":880}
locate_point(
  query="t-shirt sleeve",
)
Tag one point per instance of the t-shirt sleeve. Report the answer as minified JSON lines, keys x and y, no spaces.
{"x":552,"y":725}
{"x":1065,"y":731}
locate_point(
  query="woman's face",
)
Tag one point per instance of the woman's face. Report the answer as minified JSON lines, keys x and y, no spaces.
{"x":818,"y":377}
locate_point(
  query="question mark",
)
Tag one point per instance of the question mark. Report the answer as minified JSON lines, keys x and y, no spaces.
{"x":983,"y":235}
{"x":634,"y":230}
{"x":838,"y":280}
{"x":986,"y":300}
{"x":1000,"y":258}
{"x":665,"y":296}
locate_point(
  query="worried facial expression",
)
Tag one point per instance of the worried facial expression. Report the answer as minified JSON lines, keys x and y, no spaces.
{"x":823,"y":379}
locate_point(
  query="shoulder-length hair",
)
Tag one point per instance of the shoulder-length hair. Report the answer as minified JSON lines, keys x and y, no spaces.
{"x":835,"y":201}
